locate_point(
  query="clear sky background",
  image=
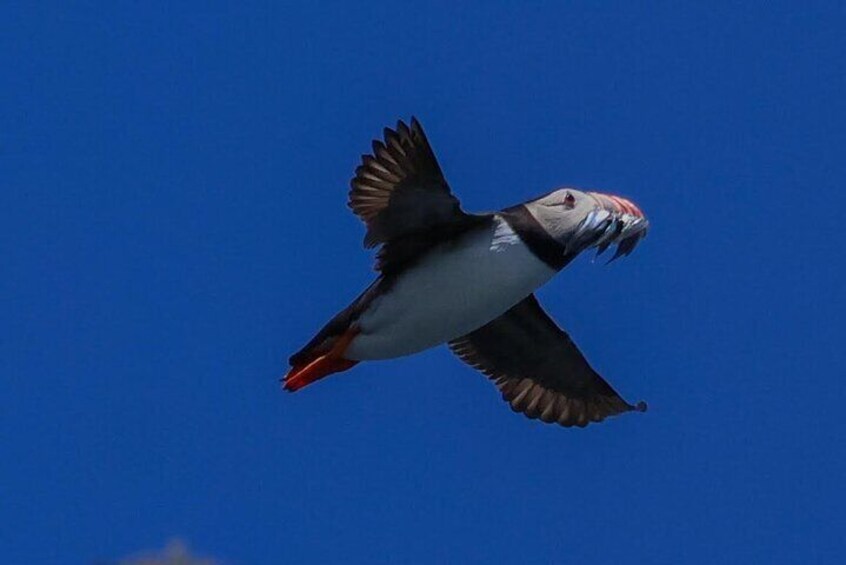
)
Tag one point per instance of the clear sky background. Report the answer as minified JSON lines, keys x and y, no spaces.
{"x":172,"y":210}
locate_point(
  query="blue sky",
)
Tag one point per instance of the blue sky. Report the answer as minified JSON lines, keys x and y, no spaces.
{"x":174,"y":226}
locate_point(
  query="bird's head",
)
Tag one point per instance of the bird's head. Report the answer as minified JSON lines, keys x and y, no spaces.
{"x":580,"y":220}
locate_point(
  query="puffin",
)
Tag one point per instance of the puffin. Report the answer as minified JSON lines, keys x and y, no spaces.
{"x":446,"y":276}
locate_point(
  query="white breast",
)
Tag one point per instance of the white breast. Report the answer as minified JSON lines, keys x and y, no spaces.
{"x":455,"y":289}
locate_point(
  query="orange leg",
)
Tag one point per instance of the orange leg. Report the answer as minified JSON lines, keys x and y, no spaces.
{"x":331,"y":362}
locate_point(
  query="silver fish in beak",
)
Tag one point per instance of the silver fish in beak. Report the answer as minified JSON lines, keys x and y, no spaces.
{"x":611,"y":220}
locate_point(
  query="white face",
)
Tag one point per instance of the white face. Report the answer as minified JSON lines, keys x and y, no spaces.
{"x":580,"y":220}
{"x":561,"y":212}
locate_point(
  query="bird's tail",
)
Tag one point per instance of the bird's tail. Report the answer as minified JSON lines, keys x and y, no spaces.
{"x":315,"y":368}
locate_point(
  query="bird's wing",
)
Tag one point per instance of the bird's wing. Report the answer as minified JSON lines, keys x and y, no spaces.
{"x":401,"y":195}
{"x":539,"y":369}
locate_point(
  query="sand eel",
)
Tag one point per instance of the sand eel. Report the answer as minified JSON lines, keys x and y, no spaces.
{"x":467,"y":280}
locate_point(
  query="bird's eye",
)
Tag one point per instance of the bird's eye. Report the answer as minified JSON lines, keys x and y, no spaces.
{"x":569,"y":200}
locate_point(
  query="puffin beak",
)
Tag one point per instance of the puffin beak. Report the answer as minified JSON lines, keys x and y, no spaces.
{"x":614,"y":220}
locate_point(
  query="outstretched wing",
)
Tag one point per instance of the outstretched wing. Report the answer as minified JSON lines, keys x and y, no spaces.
{"x":539,"y":369}
{"x":401,"y":195}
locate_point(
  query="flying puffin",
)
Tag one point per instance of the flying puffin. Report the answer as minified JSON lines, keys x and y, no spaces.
{"x":467,"y":280}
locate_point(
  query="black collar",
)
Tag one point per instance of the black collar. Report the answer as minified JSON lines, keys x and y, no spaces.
{"x":539,"y":242}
